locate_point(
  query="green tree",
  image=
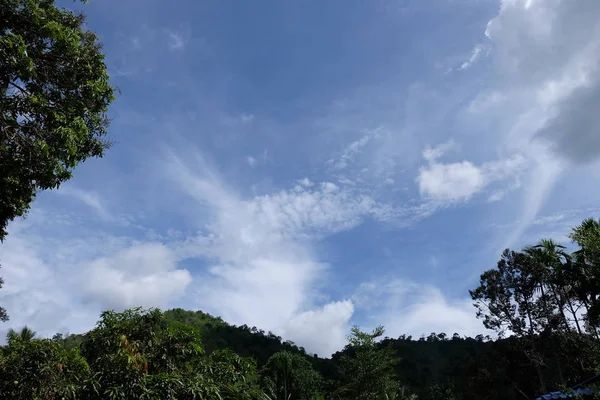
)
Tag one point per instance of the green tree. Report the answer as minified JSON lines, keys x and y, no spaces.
{"x":54,"y":94}
{"x":586,"y":270}
{"x":496,"y":298}
{"x":136,"y":354}
{"x":236,"y":376}
{"x":506,"y":301}
{"x":587,"y":236}
{"x":367,"y":370}
{"x":41,"y":369}
{"x":289,"y":376}
{"x":549,"y":256}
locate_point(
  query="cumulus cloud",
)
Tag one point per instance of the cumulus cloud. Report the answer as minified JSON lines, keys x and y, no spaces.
{"x":322,"y":330}
{"x":32,"y":294}
{"x":59,"y":277}
{"x":144,"y":274}
{"x":410,"y":308}
{"x":455,"y":181}
{"x":459,"y":181}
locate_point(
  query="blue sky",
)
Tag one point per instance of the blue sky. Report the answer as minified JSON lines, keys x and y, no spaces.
{"x":306,"y":166}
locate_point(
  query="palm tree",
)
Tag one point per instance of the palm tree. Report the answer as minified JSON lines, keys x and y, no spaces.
{"x":549,"y":257}
{"x":25,"y":335}
{"x":279,"y":376}
{"x":587,"y":236}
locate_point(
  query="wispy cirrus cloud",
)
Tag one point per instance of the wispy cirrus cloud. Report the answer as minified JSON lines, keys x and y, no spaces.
{"x":475,"y":55}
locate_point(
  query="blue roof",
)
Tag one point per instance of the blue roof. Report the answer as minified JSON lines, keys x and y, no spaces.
{"x":562,"y":395}
{"x":579,"y":389}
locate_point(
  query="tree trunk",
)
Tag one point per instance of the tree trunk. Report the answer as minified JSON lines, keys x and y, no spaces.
{"x":574,"y":314}
{"x":592,"y":327}
{"x":560,"y":303}
{"x":538,"y":369}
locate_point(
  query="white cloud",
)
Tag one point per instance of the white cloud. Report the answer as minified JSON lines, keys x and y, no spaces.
{"x":545,"y":170}
{"x":144,"y":274}
{"x":246,"y":118}
{"x":32,"y":294}
{"x":176,"y":41}
{"x":546,"y":57}
{"x":90,"y":199}
{"x":352,"y":150}
{"x":496,"y":196}
{"x":58,"y":276}
{"x":305,"y":182}
{"x":322,"y":331}
{"x":251,"y":161}
{"x":410,"y":308}
{"x":475,"y":54}
{"x":486,"y":100}
{"x":431,"y":154}
{"x":459,"y":181}
{"x":450,"y":182}
{"x":551,"y":51}
{"x":326,"y":209}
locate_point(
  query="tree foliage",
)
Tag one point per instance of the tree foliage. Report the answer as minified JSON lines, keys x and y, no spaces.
{"x":54,"y":94}
{"x":367,"y":370}
{"x":289,"y":376}
{"x":543,"y":295}
{"x":135,"y":354}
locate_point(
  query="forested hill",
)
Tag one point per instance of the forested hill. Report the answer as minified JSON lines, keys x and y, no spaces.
{"x":138,"y":351}
{"x":438,"y":366}
{"x":243,"y":340}
{"x":470,"y":368}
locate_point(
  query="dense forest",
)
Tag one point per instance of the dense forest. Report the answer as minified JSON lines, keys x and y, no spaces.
{"x":542,"y":302}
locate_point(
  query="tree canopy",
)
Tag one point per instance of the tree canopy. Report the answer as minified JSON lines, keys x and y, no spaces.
{"x":54,"y":95}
